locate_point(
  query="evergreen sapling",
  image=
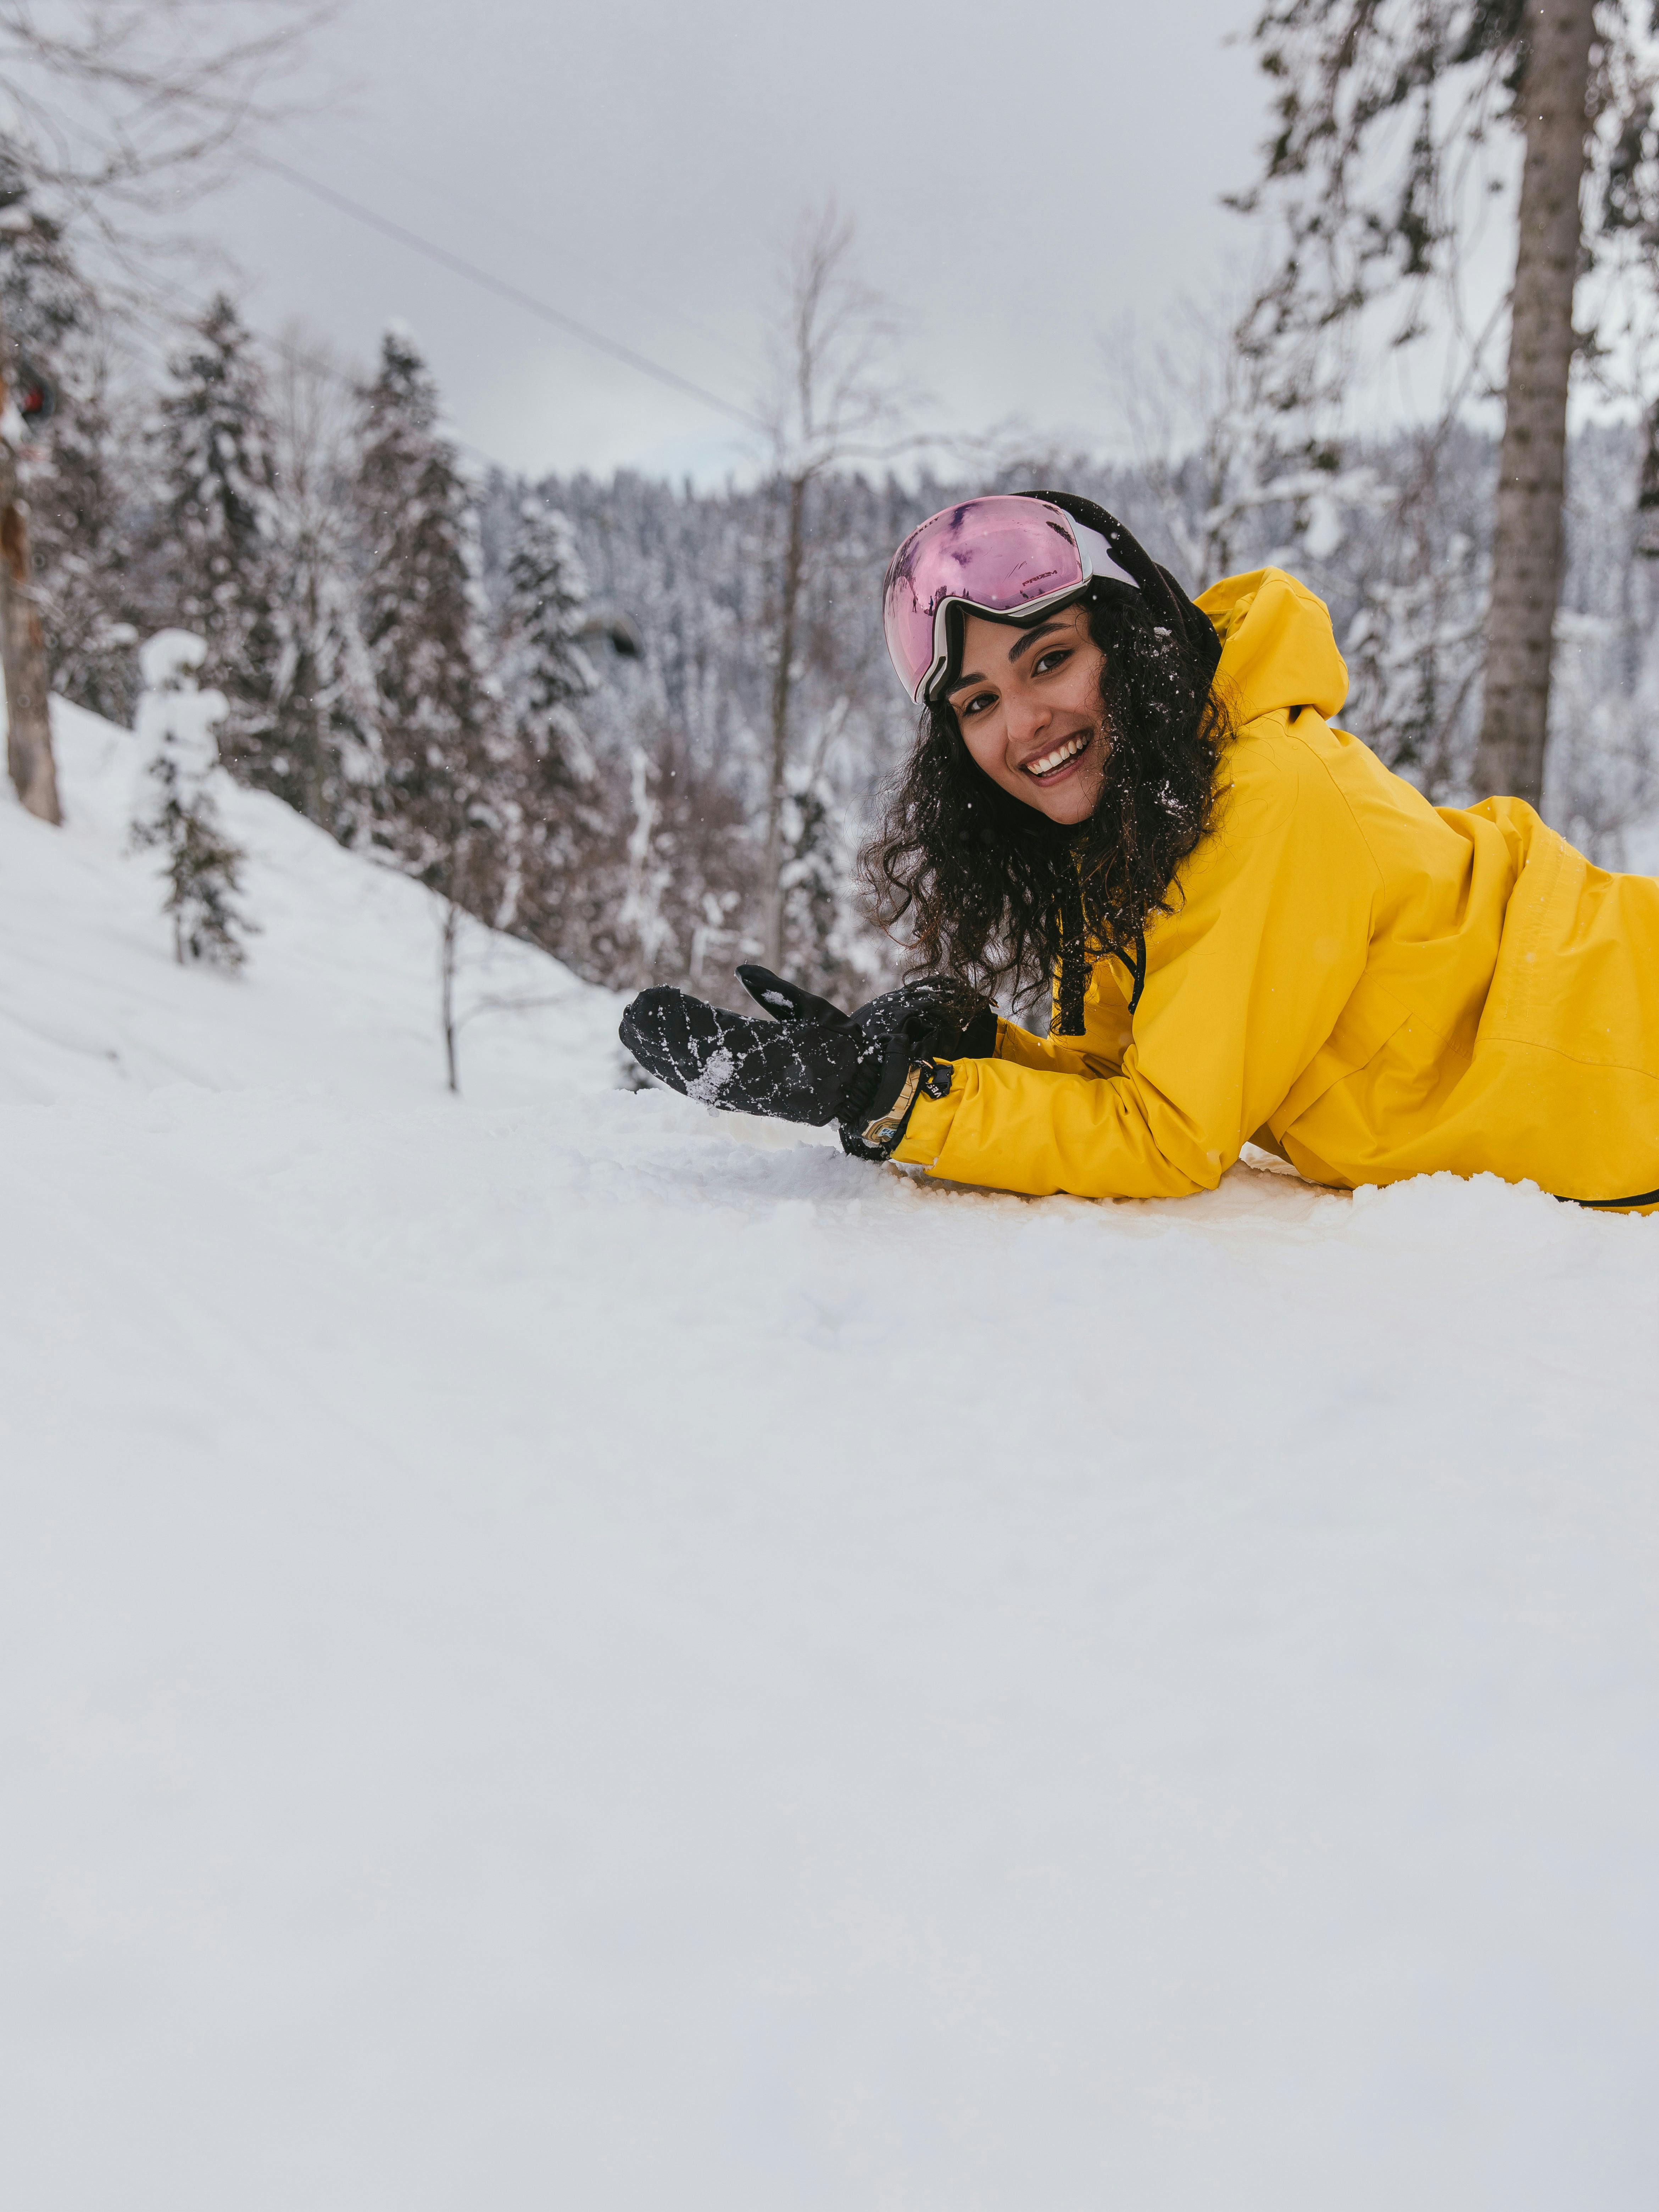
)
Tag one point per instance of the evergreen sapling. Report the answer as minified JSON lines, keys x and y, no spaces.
{"x":203,"y":870}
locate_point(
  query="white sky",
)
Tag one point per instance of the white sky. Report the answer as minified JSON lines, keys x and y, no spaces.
{"x":1021,"y":179}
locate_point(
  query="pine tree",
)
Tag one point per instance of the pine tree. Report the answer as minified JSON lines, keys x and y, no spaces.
{"x":546,"y":672}
{"x":324,"y":695}
{"x":219,"y":537}
{"x":545,"y":675}
{"x":672,"y":899}
{"x":1414,"y":644}
{"x":422,"y":605}
{"x":650,"y":873}
{"x":176,"y":721}
{"x":324,"y":709}
{"x":827,"y":943}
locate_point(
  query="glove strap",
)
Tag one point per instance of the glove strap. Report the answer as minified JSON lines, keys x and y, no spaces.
{"x":883,"y":1134}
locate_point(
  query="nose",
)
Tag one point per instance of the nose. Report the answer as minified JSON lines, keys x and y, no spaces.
{"x":1025,"y":717}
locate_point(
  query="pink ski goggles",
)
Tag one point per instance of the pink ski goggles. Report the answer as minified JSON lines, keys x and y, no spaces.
{"x":1005,"y":555}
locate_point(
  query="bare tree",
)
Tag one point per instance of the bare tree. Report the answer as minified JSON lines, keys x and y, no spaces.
{"x":833,"y":401}
{"x":103,"y":109}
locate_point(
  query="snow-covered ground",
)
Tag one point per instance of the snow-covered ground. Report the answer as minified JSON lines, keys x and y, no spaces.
{"x":563,"y":1650}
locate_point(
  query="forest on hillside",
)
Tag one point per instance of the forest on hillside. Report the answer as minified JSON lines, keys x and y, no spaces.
{"x":556,"y":702}
{"x":648,"y":727}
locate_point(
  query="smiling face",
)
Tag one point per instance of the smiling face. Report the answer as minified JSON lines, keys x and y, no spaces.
{"x":1029,"y":711}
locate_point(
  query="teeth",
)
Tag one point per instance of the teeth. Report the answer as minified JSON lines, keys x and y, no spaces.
{"x":1058,"y":758}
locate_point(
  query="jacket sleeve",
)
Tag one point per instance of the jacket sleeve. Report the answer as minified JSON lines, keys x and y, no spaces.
{"x":1098,"y":1051}
{"x":1245,"y":981}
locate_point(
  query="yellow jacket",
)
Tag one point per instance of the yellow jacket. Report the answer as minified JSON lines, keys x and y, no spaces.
{"x":1367,"y":985}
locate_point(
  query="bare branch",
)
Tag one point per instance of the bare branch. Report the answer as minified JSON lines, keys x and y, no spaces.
{"x":834,"y":396}
{"x":121,"y":104}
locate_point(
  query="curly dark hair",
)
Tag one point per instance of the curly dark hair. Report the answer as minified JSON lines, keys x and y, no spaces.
{"x":997,"y":896}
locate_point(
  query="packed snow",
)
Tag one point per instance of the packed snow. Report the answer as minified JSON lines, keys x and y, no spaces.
{"x":565,"y":1649}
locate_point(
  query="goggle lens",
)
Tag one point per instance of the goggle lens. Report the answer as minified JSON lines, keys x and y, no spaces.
{"x":998,"y":553}
{"x":993,"y":556}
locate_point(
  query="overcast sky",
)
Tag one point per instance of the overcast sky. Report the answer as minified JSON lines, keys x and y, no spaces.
{"x":1021,"y":180}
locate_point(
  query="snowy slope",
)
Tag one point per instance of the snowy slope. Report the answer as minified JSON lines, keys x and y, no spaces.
{"x":564,"y":1651}
{"x":341,"y":993}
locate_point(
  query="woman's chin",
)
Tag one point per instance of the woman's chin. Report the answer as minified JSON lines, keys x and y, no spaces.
{"x":1068,"y":803}
{"x":1070,"y":798}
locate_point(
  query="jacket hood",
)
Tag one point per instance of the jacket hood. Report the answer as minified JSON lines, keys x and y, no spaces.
{"x":1277,"y":648}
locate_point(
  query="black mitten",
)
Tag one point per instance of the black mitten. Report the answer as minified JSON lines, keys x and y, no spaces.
{"x":812,"y":1072}
{"x":955,"y":1022}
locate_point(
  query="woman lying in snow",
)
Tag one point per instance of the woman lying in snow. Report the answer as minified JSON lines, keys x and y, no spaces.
{"x":1255,"y":932}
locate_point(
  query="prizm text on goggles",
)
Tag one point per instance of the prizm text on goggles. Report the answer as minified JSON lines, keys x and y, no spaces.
{"x":1003,"y":555}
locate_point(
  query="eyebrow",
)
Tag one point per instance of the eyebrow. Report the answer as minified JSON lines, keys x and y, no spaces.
{"x":1030,"y":638}
{"x":1026,"y":638}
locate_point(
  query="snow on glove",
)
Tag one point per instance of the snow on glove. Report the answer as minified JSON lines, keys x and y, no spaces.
{"x":786,"y":1001}
{"x":951,"y":1021}
{"x":812,"y":1072}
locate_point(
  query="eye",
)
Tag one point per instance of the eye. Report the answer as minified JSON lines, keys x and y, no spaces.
{"x":1051,"y":660}
{"x":979,"y":701}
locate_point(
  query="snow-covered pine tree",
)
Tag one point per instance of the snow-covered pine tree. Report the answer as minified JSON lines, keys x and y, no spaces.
{"x":829,"y":945}
{"x":176,"y":723}
{"x":218,"y":535}
{"x":651,"y":873}
{"x":545,"y":671}
{"x":1408,"y":598}
{"x":324,"y":695}
{"x":1603,"y":787}
{"x":325,"y":705}
{"x":446,"y":780}
{"x":545,"y":675}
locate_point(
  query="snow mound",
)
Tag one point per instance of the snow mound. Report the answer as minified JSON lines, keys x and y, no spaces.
{"x":565,"y":1648}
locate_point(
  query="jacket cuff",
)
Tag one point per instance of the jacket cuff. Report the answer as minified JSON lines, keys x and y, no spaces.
{"x":931,"y":1121}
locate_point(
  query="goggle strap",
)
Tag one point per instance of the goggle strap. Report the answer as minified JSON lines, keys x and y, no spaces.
{"x":1097,"y":556}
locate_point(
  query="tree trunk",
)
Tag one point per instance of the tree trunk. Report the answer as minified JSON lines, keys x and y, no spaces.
{"x":446,"y":992}
{"x":22,"y":641}
{"x":777,"y":788}
{"x":1526,"y":542}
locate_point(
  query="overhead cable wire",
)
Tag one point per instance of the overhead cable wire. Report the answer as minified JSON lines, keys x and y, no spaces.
{"x":458,"y":265}
{"x":506,"y":226}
